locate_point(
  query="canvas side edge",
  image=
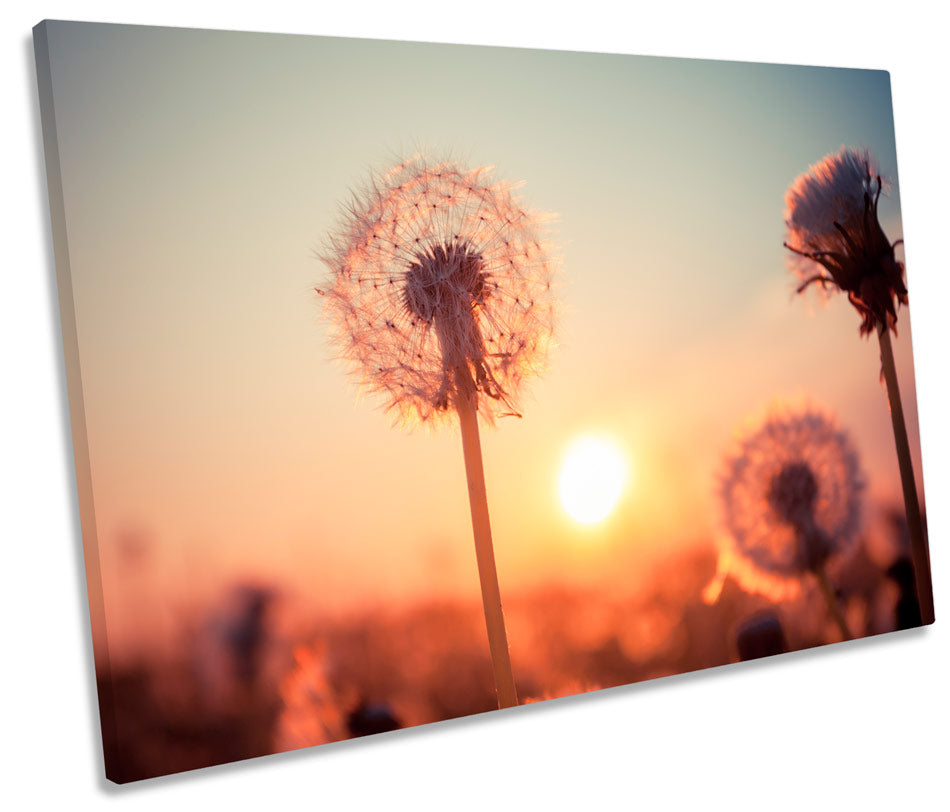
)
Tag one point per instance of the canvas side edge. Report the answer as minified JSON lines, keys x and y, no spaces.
{"x":77,"y":414}
{"x":908,"y":375}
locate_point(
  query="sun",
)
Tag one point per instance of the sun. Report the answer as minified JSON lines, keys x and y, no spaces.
{"x":593,"y":476}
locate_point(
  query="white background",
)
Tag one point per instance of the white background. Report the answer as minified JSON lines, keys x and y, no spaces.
{"x":862,"y":725}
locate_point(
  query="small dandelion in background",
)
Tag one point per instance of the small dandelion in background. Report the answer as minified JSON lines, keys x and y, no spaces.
{"x":836,"y":241}
{"x":791,"y":497}
{"x":441,"y":302}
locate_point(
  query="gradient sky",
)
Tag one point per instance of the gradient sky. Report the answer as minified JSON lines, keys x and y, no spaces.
{"x":201,"y":170}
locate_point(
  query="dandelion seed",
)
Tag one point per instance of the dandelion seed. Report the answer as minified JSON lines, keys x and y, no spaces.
{"x":836,"y":239}
{"x":791,"y":497}
{"x":441,"y":302}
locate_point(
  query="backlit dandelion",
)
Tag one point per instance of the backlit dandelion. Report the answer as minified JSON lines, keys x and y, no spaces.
{"x":836,"y":241}
{"x":440,"y":284}
{"x":790,"y":496}
{"x":441,"y":302}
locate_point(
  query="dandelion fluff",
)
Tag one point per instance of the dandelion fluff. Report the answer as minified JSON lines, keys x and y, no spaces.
{"x":440,"y":296}
{"x":835,"y":239}
{"x":439,"y":275}
{"x":790,"y":495}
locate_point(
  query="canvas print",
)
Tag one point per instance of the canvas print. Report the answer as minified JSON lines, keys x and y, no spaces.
{"x":412,"y":381}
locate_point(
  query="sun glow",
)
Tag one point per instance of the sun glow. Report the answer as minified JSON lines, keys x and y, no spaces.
{"x":593,"y":476}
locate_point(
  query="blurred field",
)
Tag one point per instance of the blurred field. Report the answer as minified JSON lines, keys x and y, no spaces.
{"x":236,"y":684}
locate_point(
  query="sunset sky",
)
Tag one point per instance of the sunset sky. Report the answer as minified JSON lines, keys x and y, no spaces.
{"x":202,"y":171}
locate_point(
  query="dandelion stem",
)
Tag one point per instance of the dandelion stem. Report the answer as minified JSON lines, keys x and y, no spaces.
{"x":466,"y":405}
{"x":832,"y":600}
{"x":915,"y":526}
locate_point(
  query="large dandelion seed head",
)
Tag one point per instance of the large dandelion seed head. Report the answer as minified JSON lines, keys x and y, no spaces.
{"x":790,"y":496}
{"x":440,"y":282}
{"x":835,"y":239}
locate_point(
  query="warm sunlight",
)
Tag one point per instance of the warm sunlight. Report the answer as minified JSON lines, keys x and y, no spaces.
{"x":593,"y":476}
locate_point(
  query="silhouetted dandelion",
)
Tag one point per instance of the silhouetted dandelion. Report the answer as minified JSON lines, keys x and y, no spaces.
{"x":441,"y":300}
{"x":836,"y":238}
{"x":790,"y":497}
{"x":836,"y":241}
{"x":441,"y":284}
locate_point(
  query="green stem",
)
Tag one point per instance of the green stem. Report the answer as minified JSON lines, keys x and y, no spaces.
{"x":915,"y":526}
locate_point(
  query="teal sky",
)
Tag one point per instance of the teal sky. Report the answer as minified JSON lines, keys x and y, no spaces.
{"x":202,"y":169}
